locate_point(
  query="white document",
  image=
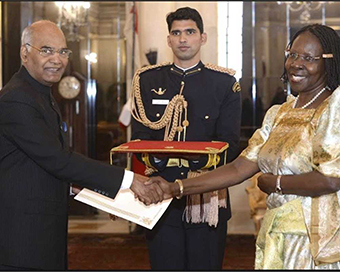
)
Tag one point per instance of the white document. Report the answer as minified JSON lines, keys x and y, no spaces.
{"x":125,"y":205}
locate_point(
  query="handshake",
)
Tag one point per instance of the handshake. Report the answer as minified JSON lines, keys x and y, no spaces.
{"x":153,"y":190}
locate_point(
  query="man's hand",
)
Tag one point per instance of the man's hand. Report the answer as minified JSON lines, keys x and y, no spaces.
{"x":169,"y":188}
{"x":76,"y":189}
{"x":148,"y":194}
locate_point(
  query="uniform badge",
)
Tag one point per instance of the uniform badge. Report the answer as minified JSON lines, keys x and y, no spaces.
{"x":236,"y":87}
{"x":159,"y":92}
{"x":160,"y":101}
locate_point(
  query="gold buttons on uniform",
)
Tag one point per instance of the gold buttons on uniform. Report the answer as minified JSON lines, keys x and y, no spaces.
{"x":157,"y":114}
{"x":206,"y":117}
{"x":185,"y":123}
{"x":182,"y":173}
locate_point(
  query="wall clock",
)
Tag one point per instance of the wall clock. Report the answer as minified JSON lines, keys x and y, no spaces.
{"x":69,"y":87}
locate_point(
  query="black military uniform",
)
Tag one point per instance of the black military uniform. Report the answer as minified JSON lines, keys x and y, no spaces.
{"x":214,"y":114}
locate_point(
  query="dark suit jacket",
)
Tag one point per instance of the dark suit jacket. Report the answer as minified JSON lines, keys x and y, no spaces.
{"x":214,"y":114}
{"x":35,"y":171}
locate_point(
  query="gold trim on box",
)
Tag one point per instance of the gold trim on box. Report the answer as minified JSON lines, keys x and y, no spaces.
{"x":215,"y":150}
{"x":171,"y":149}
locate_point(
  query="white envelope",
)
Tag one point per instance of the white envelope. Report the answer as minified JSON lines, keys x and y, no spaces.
{"x":125,"y":205}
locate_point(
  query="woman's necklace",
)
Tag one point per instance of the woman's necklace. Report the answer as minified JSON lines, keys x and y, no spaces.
{"x":310,"y":101}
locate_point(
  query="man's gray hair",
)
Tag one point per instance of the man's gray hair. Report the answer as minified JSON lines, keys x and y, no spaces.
{"x":27,"y":34}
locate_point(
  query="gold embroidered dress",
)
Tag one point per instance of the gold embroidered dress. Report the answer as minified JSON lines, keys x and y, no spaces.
{"x":299,"y":232}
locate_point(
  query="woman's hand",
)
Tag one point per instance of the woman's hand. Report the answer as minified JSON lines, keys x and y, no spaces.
{"x":311,"y":184}
{"x":168,"y":188}
{"x":267,"y":183}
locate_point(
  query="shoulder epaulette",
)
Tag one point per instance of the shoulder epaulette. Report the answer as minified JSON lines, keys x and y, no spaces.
{"x":220,"y":69}
{"x":150,"y":67}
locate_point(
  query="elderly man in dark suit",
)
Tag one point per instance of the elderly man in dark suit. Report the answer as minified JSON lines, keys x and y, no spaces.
{"x":35,"y":165}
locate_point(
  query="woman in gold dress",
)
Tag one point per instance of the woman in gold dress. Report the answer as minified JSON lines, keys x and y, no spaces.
{"x":298,"y":151}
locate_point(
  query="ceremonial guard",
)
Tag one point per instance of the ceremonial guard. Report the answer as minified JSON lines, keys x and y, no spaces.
{"x":198,"y":103}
